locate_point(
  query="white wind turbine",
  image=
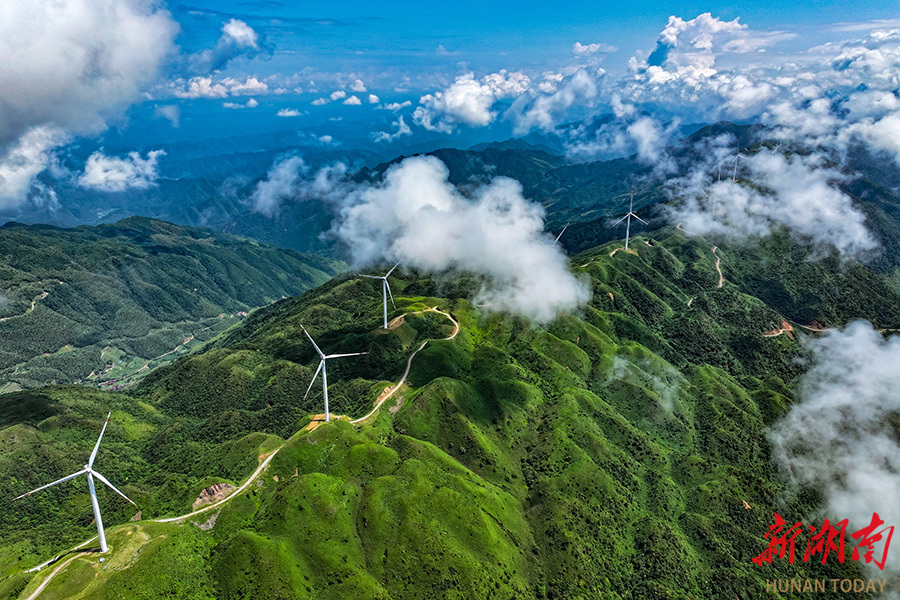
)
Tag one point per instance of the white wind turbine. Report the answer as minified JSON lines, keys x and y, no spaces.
{"x":91,"y":474}
{"x":322,"y":358}
{"x":628,"y":216}
{"x":385,"y":289}
{"x":560,"y":234}
{"x":737,"y":157}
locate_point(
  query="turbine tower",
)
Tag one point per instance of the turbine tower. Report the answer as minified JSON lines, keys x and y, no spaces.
{"x":560,"y":234}
{"x":322,"y":358}
{"x":385,"y":289}
{"x":91,"y":474}
{"x":737,"y":157}
{"x":628,"y":216}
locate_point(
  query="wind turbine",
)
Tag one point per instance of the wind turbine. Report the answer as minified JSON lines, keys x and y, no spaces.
{"x":737,"y":157}
{"x":715,"y":200}
{"x":91,"y":474}
{"x":628,"y":216}
{"x":385,"y":289}
{"x":323,"y":357}
{"x":560,"y":234}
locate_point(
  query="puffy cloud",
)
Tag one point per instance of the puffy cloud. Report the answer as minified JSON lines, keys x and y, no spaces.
{"x":402,"y":129}
{"x":281,"y":182}
{"x":319,"y":102}
{"x":70,"y":66}
{"x":796,"y":192}
{"x":170,"y":112}
{"x":237,"y":39}
{"x":338,"y":94}
{"x":326,"y":139}
{"x":26,"y":159}
{"x":578,"y":48}
{"x":415,"y":215}
{"x":251,"y":103}
{"x":352,"y":101}
{"x":468,"y":101}
{"x":289,"y":112}
{"x":206,"y":87}
{"x":395,"y":106}
{"x":418,"y":217}
{"x":113,"y":174}
{"x":373,"y":99}
{"x":358,"y":86}
{"x":841,"y":438}
{"x":546,"y":111}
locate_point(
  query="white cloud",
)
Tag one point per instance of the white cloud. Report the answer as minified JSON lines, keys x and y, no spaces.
{"x":395,"y":106}
{"x":373,"y":99}
{"x":839,"y":439}
{"x":468,"y":101}
{"x":248,"y":87}
{"x":251,"y":103}
{"x":402,"y":129}
{"x":113,"y":174}
{"x":319,"y":102}
{"x":288,"y":112}
{"x":206,"y":87}
{"x":24,"y":160}
{"x":280,"y":183}
{"x":353,"y":101}
{"x":237,"y":39}
{"x":578,"y":48}
{"x":201,"y":87}
{"x":358,"y":86}
{"x":338,"y":94}
{"x":70,"y":67}
{"x":547,"y":111}
{"x":418,"y":217}
{"x":170,"y":112}
{"x":796,"y":192}
{"x":326,"y":139}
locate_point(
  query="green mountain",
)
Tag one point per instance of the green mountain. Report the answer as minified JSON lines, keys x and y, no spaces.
{"x":104,"y":302}
{"x":617,"y":453}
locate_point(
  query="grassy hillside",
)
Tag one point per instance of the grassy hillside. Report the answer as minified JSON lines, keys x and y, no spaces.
{"x":618,"y":453}
{"x":110,"y":299}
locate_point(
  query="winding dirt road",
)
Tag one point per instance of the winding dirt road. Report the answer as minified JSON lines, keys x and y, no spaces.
{"x":254,"y":476}
{"x":34,"y":302}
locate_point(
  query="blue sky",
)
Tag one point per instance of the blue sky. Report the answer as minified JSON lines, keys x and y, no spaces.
{"x":391,"y":78}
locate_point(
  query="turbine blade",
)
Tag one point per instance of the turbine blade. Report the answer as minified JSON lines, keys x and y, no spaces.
{"x":620,"y":220}
{"x":640,"y":219}
{"x":369,"y":276}
{"x":342,"y":355}
{"x":321,"y":362}
{"x":97,"y":446}
{"x":322,"y":354}
{"x":560,"y":233}
{"x":44,"y":487}
{"x":389,"y":292}
{"x":114,"y":488}
{"x":392,"y":269}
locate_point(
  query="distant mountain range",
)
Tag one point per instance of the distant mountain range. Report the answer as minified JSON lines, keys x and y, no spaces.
{"x":108,"y":299}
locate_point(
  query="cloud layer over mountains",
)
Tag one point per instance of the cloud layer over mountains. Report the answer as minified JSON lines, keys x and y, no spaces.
{"x":842,"y":437}
{"x":418,"y":217}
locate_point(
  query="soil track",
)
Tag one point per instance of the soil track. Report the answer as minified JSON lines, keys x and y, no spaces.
{"x":256,"y":474}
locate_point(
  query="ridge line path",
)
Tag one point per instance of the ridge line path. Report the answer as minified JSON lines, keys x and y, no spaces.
{"x":718,"y":266}
{"x":252,"y":478}
{"x":40,"y":296}
{"x":409,"y":363}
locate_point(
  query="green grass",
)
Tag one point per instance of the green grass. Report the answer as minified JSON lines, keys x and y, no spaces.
{"x":607,"y":455}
